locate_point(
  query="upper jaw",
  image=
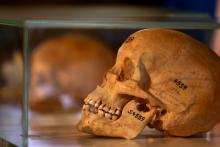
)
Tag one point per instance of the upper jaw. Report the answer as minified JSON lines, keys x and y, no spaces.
{"x":105,"y":104}
{"x":128,"y":125}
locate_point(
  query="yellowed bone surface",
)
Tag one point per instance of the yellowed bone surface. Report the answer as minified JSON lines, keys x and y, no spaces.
{"x":174,"y":74}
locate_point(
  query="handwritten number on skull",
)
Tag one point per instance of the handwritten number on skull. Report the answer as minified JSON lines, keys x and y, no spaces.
{"x":136,"y":115}
{"x":180,"y":84}
{"x":129,"y":39}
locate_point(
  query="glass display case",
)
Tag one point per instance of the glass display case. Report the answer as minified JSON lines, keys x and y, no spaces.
{"x":49,"y":65}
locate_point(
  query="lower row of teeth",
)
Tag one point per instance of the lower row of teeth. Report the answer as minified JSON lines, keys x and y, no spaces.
{"x":103,"y":111}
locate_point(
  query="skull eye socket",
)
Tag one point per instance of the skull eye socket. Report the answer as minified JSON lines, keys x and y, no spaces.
{"x":127,"y":70}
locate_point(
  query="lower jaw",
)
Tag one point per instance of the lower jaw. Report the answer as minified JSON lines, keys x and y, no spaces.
{"x":127,"y":126}
{"x":93,"y":124}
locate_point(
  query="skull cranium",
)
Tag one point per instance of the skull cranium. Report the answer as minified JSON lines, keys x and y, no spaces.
{"x":162,"y":78}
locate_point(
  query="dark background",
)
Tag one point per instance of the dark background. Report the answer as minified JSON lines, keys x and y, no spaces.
{"x":11,"y":38}
{"x":205,"y":6}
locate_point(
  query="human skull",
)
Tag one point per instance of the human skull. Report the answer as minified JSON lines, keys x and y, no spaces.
{"x":65,"y":69}
{"x":162,"y":78}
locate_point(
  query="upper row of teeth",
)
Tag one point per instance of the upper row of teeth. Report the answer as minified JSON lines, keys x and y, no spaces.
{"x":102,"y":110}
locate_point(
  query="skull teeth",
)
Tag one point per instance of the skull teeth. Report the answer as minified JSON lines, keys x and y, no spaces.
{"x":101,"y":113}
{"x":101,"y":106}
{"x":102,"y":110}
{"x":91,"y":102}
{"x":112,"y":111}
{"x":114,"y":117}
{"x":108,"y":115}
{"x":118,"y":112}
{"x":106,"y":109}
{"x":97,"y":104}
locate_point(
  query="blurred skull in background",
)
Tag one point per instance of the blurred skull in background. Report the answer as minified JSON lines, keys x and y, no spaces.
{"x":65,"y":69}
{"x":11,"y":79}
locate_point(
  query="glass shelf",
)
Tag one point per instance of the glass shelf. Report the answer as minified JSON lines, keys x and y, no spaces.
{"x":120,"y":17}
{"x":170,"y":21}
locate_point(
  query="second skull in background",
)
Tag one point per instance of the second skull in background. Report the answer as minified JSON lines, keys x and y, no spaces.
{"x":65,"y":69}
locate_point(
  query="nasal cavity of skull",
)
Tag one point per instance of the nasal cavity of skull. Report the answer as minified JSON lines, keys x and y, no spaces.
{"x":127,"y":70}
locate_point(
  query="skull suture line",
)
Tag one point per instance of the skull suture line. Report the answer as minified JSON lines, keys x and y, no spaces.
{"x":162,"y":78}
